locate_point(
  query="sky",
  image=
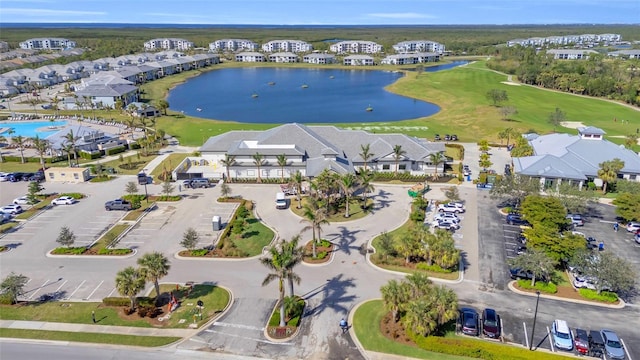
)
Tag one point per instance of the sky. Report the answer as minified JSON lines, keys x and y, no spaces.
{"x":323,"y":12}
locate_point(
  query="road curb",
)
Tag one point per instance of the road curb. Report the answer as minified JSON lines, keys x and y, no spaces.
{"x":620,"y":305}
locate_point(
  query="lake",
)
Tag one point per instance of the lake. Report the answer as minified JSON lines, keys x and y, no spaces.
{"x":285,"y":95}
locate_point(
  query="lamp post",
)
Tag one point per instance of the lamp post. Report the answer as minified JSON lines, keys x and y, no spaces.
{"x":535,"y":315}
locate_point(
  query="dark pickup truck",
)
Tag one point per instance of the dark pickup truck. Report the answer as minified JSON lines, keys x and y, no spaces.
{"x":117,"y":204}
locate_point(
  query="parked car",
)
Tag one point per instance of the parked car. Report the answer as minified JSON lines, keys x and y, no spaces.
{"x":596,"y":344}
{"x":199,"y":183}
{"x":4,"y":217}
{"x":446,"y":224}
{"x":446,"y":216}
{"x":454,"y":137}
{"x":521,"y":249}
{"x":468,"y":322}
{"x":466,"y":172}
{"x":576,"y":219}
{"x":22,"y":200}
{"x":451,"y":207}
{"x":491,"y":323}
{"x":516,"y":219}
{"x":4,"y":177}
{"x":522,"y":239}
{"x":633,"y":226}
{"x":581,"y":341}
{"x":16,"y":176}
{"x":447,"y":137}
{"x":27,"y":176}
{"x":117,"y":204}
{"x":561,"y":335}
{"x":63,"y":200}
{"x":437,"y":137}
{"x":517,"y":273}
{"x":612,"y":346}
{"x":37,"y":176}
{"x":580,"y":281}
{"x":11,"y":209}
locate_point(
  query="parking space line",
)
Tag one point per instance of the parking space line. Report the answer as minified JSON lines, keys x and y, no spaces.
{"x":38,"y":289}
{"x":111,"y":293}
{"x":94,"y":290}
{"x":60,"y":287}
{"x":76,"y":290}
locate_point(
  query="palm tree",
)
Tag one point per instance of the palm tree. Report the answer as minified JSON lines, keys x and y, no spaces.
{"x":119,"y":105}
{"x":296,"y":181}
{"x":71,"y":140}
{"x":162,"y":105}
{"x":398,"y":153}
{"x":445,"y":304}
{"x":365,"y":154}
{"x":20,"y":141}
{"x":131,"y":123}
{"x":294,"y":252}
{"x":154,"y":266}
{"x":42,"y":146}
{"x":316,"y":216}
{"x":436,"y":159}
{"x":608,"y":172}
{"x":258,"y":160}
{"x":129,"y":282}
{"x":365,"y":177}
{"x":347,"y":182}
{"x":394,"y":295}
{"x":282,"y":162}
{"x":228,"y":161}
{"x":67,"y":148}
{"x":2,"y":141}
{"x":276,"y":262}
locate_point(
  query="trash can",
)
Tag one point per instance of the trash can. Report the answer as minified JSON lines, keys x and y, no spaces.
{"x":601,"y":246}
{"x":217,"y":223}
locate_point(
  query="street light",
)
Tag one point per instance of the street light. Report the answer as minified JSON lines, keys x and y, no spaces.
{"x":535,"y":315}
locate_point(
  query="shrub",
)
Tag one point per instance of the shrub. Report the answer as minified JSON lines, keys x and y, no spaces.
{"x":76,"y":196}
{"x":325,"y":243}
{"x":116,"y":301}
{"x":605,"y":296}
{"x":199,"y":252}
{"x":6,"y":299}
{"x":321,"y":255}
{"x":107,"y":251}
{"x":417,"y":216}
{"x":549,"y":288}
{"x":89,"y":155}
{"x":69,"y":250}
{"x":115,"y":150}
{"x":432,"y":268}
{"x":135,"y":199}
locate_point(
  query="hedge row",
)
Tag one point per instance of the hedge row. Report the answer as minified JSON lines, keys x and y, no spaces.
{"x":90,"y":156}
{"x":47,"y":160}
{"x":459,"y":149}
{"x":123,"y":301}
{"x":225,"y":233}
{"x":115,"y":150}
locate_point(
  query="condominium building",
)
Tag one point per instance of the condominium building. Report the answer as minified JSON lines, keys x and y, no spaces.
{"x":294,"y":46}
{"x":354,"y":47}
{"x":48,"y":44}
{"x":410,"y":59}
{"x":583,"y":39}
{"x":419,"y":46}
{"x":233,"y":45}
{"x":168,"y":44}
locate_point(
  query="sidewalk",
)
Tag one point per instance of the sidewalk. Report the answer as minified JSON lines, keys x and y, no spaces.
{"x":90,"y":328}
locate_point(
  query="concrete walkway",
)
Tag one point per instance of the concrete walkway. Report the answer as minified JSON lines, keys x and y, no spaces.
{"x":91,"y":328}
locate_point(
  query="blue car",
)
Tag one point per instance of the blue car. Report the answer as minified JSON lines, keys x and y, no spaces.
{"x":562,"y":336}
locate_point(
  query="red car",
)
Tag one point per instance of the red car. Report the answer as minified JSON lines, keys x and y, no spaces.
{"x":581,"y":341}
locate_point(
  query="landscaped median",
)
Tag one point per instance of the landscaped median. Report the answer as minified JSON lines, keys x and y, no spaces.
{"x":577,"y":296}
{"x":368,"y":317}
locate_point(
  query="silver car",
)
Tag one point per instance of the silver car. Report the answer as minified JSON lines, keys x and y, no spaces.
{"x":612,"y":345}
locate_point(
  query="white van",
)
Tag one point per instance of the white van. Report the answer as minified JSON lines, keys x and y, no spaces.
{"x":281,"y":201}
{"x":562,"y":336}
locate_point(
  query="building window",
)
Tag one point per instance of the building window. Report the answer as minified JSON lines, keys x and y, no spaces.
{"x":632,"y":177}
{"x":51,"y":175}
{"x":402,"y":166}
{"x":251,"y":173}
{"x":386,"y":167}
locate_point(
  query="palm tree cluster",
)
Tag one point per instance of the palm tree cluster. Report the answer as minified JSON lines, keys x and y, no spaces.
{"x":422,"y":246}
{"x":421,"y":306}
{"x":283,"y":257}
{"x":130,"y":281}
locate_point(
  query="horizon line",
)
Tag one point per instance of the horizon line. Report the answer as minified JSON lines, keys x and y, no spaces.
{"x":312,"y":25}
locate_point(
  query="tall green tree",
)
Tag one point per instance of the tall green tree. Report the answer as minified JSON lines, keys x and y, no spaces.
{"x":497,"y":96}
{"x":42,"y":146}
{"x":394,"y":295}
{"x":13,"y":285}
{"x":131,"y":188}
{"x":514,"y":188}
{"x":129,"y":282}
{"x":190,"y":239}
{"x":556,"y":118}
{"x":607,"y":270}
{"x":296,"y":181}
{"x":522,"y":148}
{"x":162,"y":106}
{"x":154,"y":266}
{"x":436,"y":159}
{"x":72,"y":140}
{"x":3,"y":140}
{"x":20,"y":142}
{"x":66,"y":237}
{"x":365,"y":178}
{"x":398,"y":154}
{"x":34,"y":189}
{"x":276,"y":262}
{"x":348,"y":182}
{"x":608,"y":172}
{"x":535,"y":262}
{"x":282,"y":162}
{"x":228,"y":161}
{"x":630,"y":141}
{"x":545,"y":211}
{"x":316,"y":216}
{"x":294,"y":253}
{"x":628,"y":206}
{"x":258,"y":160}
{"x":365,"y":153}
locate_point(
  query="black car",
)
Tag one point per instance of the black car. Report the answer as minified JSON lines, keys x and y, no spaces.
{"x":447,"y":137}
{"x":454,"y":137}
{"x":37,"y":177}
{"x":27,"y":176}
{"x":16,"y":176}
{"x":596,"y":344}
{"x":491,"y":323}
{"x":468,"y":322}
{"x":516,"y":219}
{"x":517,"y":273}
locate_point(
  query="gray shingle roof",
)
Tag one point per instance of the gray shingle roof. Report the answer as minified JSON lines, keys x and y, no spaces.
{"x":106,"y":90}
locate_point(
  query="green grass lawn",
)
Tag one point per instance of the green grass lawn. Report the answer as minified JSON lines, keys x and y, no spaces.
{"x":215,"y":299}
{"x":110,"y":235}
{"x":133,"y":215}
{"x":169,"y":163}
{"x":97,"y":338}
{"x":137,"y":162}
{"x":355,"y":210}
{"x":366,"y":323}
{"x":254,"y":238}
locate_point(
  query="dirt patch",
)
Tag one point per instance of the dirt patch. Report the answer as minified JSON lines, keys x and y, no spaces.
{"x":394,"y":330}
{"x":308,"y":253}
{"x":572,"y":124}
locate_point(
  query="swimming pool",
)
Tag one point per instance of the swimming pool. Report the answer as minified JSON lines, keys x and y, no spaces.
{"x":30,"y":128}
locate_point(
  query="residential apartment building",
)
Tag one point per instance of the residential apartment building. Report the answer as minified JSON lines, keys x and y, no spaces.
{"x":419,"y":46}
{"x":284,"y":57}
{"x":224,"y":45}
{"x":626,"y":54}
{"x":570,"y":54}
{"x":48,"y":44}
{"x":319,"y":59}
{"x":358,"y":60}
{"x":355,"y":47}
{"x":168,"y":44}
{"x":295,"y":46}
{"x":583,"y":40}
{"x":250,"y":56}
{"x":409,"y":59}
